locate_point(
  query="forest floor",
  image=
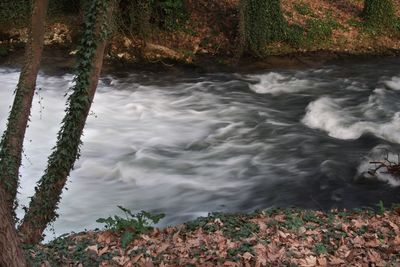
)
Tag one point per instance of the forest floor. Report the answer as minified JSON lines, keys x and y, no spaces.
{"x":286,"y":237}
{"x":321,"y":29}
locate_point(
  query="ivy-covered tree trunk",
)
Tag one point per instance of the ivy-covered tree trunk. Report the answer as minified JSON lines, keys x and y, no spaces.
{"x":379,"y":13}
{"x":261,"y":22}
{"x":42,"y":209}
{"x":13,"y":137}
{"x":11,"y":255}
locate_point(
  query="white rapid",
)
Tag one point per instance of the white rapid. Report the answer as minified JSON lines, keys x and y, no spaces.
{"x":190,"y":144}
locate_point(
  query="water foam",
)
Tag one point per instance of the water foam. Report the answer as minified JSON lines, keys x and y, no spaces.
{"x":378,"y":154}
{"x":393,"y":84}
{"x":276,"y":83}
{"x":340,"y":121}
{"x":190,"y":145}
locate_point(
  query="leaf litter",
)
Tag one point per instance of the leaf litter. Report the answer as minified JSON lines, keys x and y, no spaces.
{"x":280,"y":237}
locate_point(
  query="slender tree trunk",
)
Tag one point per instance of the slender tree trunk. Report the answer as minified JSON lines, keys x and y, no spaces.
{"x":13,"y":137}
{"x":42,"y":209}
{"x":11,"y":255}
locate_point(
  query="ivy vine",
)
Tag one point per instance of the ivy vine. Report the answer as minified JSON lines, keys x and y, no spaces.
{"x":262,"y":23}
{"x":67,"y":150}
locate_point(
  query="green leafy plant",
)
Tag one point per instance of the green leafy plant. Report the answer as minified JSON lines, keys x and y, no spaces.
{"x":292,"y":221}
{"x":169,"y":14}
{"x":381,"y":207}
{"x":65,"y":247}
{"x":234,"y":253}
{"x":319,"y":30}
{"x":234,"y":226}
{"x":14,"y":12}
{"x":132,"y":225}
{"x":295,"y":35}
{"x":379,"y":14}
{"x":303,"y":9}
{"x":261,"y":23}
{"x":320,"y":248}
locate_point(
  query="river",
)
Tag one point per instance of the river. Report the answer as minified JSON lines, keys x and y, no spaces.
{"x":193,"y":143}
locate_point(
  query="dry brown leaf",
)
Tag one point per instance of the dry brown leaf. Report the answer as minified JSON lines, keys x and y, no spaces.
{"x":322,"y":261}
{"x":104,"y":237}
{"x":121,"y":260}
{"x":335,"y":260}
{"x":162,"y":248}
{"x":309,"y":261}
{"x":358,"y":241}
{"x":137,"y":258}
{"x":247,"y":256}
{"x":394,"y":226}
{"x":93,"y":248}
{"x":231,"y":263}
{"x":374,"y":256}
{"x":149,"y":264}
{"x":103,"y":251}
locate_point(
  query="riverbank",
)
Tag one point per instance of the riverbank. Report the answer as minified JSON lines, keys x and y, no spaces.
{"x":58,"y":59}
{"x":318,"y":31}
{"x":286,"y":237}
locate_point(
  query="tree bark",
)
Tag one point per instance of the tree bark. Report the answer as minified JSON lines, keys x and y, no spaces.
{"x":11,"y":255}
{"x":261,"y":22}
{"x":13,"y":138}
{"x":42,"y":209}
{"x":379,"y":13}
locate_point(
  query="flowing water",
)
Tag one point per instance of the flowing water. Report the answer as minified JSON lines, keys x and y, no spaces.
{"x":190,"y":144}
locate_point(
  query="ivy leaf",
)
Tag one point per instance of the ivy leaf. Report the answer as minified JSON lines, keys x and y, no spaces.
{"x":126,"y":238}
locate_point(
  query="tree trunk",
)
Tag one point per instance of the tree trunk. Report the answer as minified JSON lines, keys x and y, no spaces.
{"x":11,"y":255}
{"x":379,"y":14}
{"x":261,"y":22}
{"x":13,"y":138}
{"x":42,"y":209}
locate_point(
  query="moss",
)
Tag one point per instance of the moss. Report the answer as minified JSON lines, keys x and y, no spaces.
{"x":379,"y":14}
{"x":262,"y":22}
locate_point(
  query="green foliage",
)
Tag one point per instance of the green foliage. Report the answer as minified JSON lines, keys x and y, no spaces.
{"x":319,"y":30}
{"x":132,"y":225}
{"x":15,"y":12}
{"x":235,"y":253}
{"x":168,"y":14}
{"x":381,"y":207}
{"x":139,"y":17}
{"x":397,"y":25}
{"x":262,"y":22}
{"x":310,"y":217}
{"x":63,"y":248}
{"x":303,"y":9}
{"x":379,"y":14}
{"x":354,"y":22}
{"x":59,"y":7}
{"x":234,"y":226}
{"x":316,"y":31}
{"x":320,"y":248}
{"x":292,"y":222}
{"x":3,"y":51}
{"x":296,"y":35}
{"x":42,"y":209}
